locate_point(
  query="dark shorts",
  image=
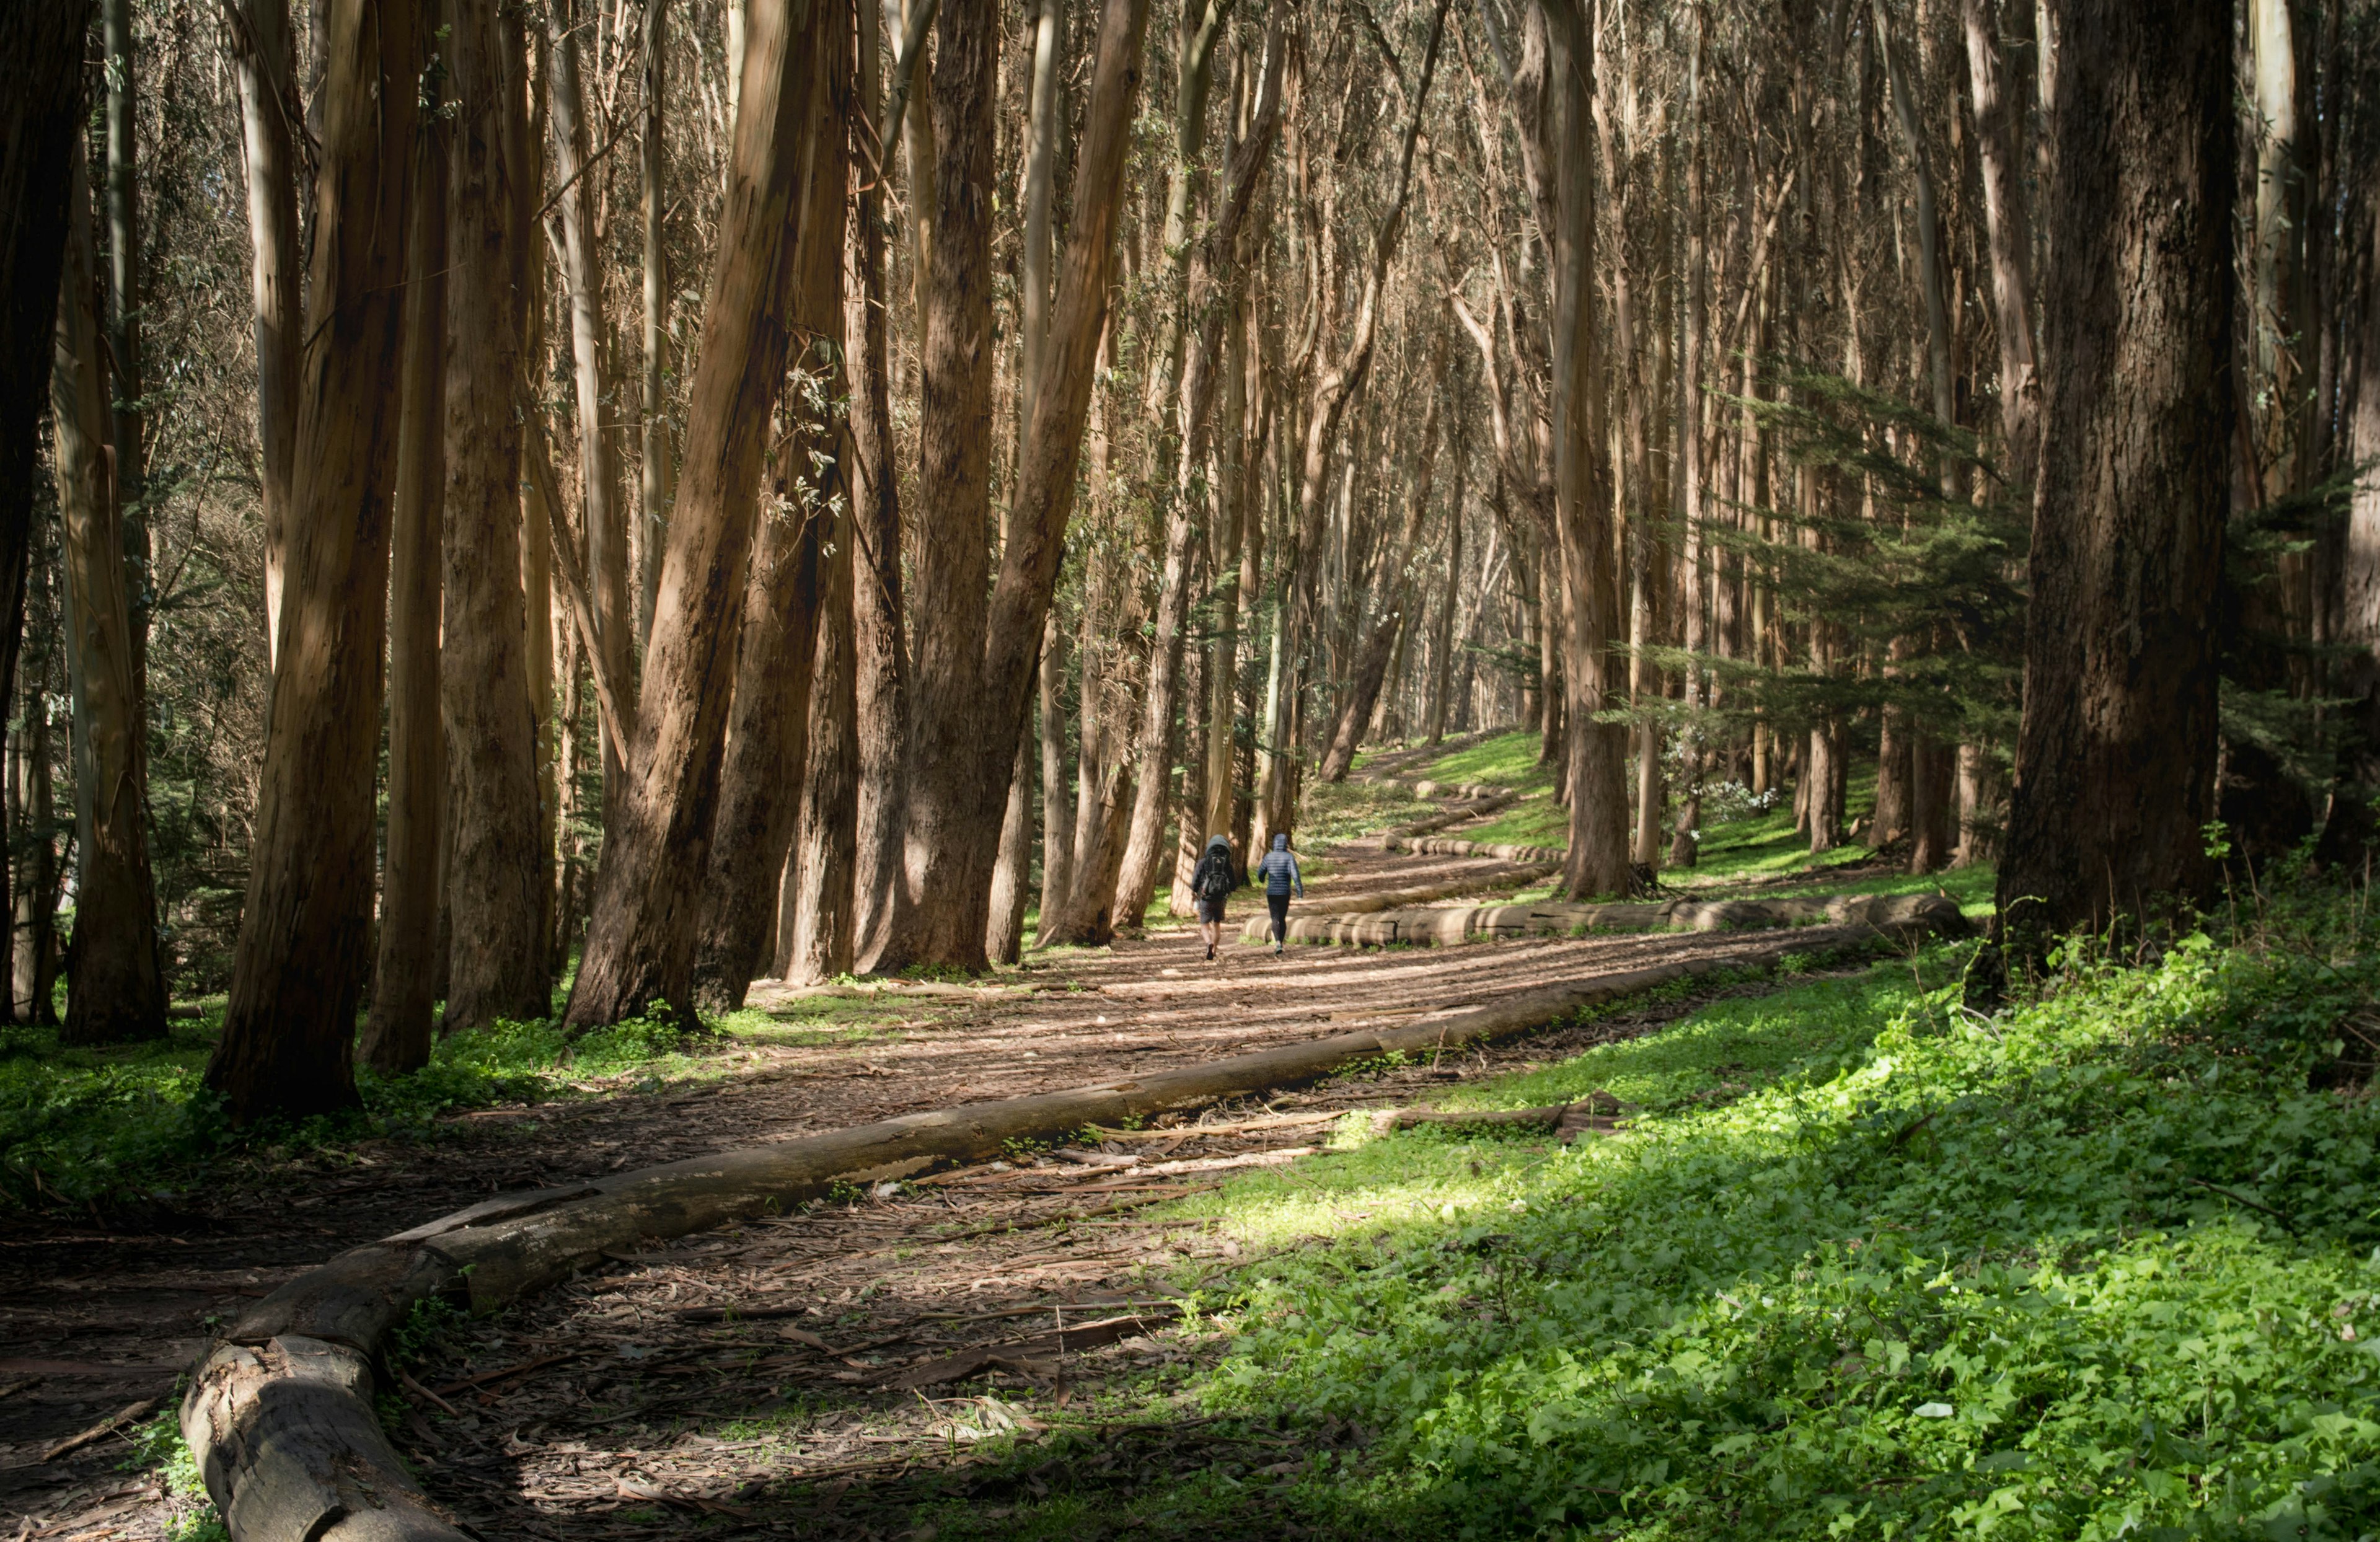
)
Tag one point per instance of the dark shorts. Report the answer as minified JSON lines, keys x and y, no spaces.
{"x":1210,"y":910}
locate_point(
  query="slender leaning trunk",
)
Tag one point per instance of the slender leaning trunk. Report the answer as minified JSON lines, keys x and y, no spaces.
{"x":814,"y":912}
{"x":767,"y":763}
{"x":266,"y":66}
{"x":641,"y":937}
{"x":300,"y":963}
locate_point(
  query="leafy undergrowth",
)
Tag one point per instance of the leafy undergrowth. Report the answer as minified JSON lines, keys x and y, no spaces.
{"x":135,"y":1124}
{"x":1863,"y":1264}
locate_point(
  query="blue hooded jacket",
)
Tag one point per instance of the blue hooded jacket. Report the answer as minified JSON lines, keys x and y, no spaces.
{"x":1278,"y":869}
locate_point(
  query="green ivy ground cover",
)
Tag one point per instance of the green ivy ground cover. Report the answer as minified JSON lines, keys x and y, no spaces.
{"x":1866,"y":1265}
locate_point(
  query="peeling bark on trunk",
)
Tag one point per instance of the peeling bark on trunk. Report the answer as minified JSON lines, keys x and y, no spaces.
{"x":2114,"y":762}
{"x":496,"y":968}
{"x":300,"y":963}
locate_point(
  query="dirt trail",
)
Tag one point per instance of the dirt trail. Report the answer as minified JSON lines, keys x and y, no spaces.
{"x":96,"y":1318}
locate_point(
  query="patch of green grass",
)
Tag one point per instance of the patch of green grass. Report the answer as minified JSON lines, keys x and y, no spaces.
{"x":1506,"y":761}
{"x":1332,"y":812}
{"x":79,"y":1125}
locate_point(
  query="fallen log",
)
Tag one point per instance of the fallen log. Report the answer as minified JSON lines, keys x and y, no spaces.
{"x":1490,"y":800}
{"x":1420,"y":893}
{"x":1439,"y":845}
{"x":279,"y":1412}
{"x":1439,"y":926}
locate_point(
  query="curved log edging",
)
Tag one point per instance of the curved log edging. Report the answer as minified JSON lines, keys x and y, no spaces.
{"x":1439,"y":924}
{"x":279,"y":1412}
{"x":1483,"y":801}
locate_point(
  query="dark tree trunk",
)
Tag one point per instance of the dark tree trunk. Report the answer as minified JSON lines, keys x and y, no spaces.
{"x":39,"y":116}
{"x":2114,"y":762}
{"x":814,"y":915}
{"x":641,"y":937}
{"x":397,"y":1034}
{"x":115,"y":987}
{"x":496,"y":966}
{"x":300,"y":964}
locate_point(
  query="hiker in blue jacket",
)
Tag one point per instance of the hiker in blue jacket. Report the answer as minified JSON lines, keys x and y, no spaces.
{"x":1211,"y":883}
{"x":1279,"y":870}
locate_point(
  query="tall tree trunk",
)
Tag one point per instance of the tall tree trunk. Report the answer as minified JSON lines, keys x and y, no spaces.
{"x":814,"y":917}
{"x":1556,"y":75}
{"x":497,"y":958}
{"x":2115,"y":760}
{"x":975,"y":671}
{"x":942,"y":915}
{"x":2009,"y":234}
{"x":1004,"y":937}
{"x":767,"y":761}
{"x":397,"y":1034}
{"x":1441,"y":645}
{"x":591,"y":351}
{"x":641,"y":937}
{"x":653,"y":470}
{"x":881,"y":661}
{"x":268,"y":110}
{"x":115,"y":989}
{"x":127,"y":426}
{"x":39,"y":121}
{"x":1239,"y":552}
{"x":300,"y":962}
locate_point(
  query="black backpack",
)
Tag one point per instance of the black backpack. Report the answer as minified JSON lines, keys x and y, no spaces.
{"x":1213,"y":880}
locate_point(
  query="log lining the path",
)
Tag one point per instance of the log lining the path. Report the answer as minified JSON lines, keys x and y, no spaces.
{"x":1436,"y":926}
{"x":280,"y":1412}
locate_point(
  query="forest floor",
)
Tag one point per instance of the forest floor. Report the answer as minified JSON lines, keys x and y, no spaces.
{"x":619,"y":1406}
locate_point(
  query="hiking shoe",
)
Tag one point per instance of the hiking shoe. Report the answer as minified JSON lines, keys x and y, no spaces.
{"x":1211,"y":953}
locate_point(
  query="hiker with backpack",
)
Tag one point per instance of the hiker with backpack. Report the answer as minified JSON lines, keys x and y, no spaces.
{"x":1279,"y":870}
{"x":1211,"y":883}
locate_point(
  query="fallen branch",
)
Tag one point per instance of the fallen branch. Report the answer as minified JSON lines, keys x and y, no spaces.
{"x":99,"y":1431}
{"x":279,"y":1412}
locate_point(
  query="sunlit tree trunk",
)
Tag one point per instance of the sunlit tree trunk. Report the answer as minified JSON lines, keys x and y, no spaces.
{"x":653,"y":471}
{"x":641,"y":937}
{"x":300,"y":963}
{"x":590,"y":349}
{"x":767,"y":759}
{"x":814,"y":912}
{"x":266,"y":66}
